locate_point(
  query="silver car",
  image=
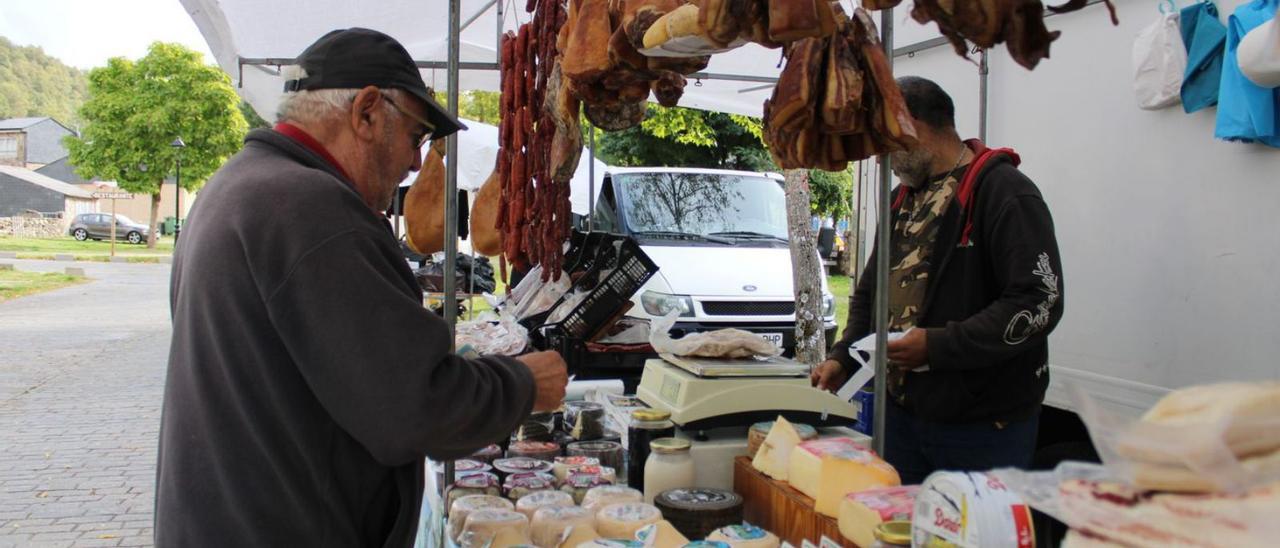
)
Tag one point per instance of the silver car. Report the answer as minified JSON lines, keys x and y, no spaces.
{"x":97,"y":226}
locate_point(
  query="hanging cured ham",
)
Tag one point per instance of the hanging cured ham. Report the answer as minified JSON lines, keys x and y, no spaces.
{"x":424,"y":204}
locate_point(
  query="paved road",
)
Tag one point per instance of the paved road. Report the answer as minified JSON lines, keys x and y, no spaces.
{"x":81,"y":378}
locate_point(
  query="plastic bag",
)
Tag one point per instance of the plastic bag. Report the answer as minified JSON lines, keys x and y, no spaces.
{"x":1088,"y":497}
{"x":1201,"y":449}
{"x":1159,"y":61}
{"x":1259,"y":54}
{"x":721,"y":343}
{"x":503,"y":337}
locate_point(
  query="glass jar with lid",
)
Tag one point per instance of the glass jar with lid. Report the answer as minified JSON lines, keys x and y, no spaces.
{"x":669,"y":466}
{"x":646,"y":425}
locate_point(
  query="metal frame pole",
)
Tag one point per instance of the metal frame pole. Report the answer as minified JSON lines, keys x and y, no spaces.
{"x":591,"y":179}
{"x":451,"y":196}
{"x":881,"y":308}
{"x":984,"y":68}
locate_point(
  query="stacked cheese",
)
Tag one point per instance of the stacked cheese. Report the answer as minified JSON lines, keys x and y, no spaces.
{"x":828,"y":469}
{"x":862,"y":512}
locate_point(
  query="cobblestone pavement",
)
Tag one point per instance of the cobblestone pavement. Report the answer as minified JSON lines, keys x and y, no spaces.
{"x":81,"y":378}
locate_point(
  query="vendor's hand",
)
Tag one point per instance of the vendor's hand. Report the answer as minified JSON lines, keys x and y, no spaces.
{"x":909,"y":352}
{"x":828,"y":375}
{"x":550,"y":375}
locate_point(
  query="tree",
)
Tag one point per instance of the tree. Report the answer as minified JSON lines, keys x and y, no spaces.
{"x":35,"y":84}
{"x":688,"y":138}
{"x":832,"y":193}
{"x":134,"y":112}
{"x":251,"y":116}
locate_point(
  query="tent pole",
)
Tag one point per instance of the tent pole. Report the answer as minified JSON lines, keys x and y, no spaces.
{"x":881,"y":308}
{"x":497,"y":49}
{"x":984,"y":68}
{"x":450,"y":302}
{"x":591,"y":179}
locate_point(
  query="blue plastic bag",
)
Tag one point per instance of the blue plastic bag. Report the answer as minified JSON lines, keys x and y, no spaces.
{"x":1205,"y":38}
{"x":1246,"y":111}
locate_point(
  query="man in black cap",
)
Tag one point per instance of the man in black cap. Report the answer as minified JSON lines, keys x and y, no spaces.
{"x":306,"y":381}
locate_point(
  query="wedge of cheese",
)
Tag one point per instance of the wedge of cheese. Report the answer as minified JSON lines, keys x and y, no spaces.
{"x":775,"y":453}
{"x":828,"y":469}
{"x":661,"y":535}
{"x":861,"y":512}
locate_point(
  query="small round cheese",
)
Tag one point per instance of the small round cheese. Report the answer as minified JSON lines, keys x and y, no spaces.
{"x":599,"y":497}
{"x":745,"y":536}
{"x":463,"y":507}
{"x":530,"y":503}
{"x":562,"y":466}
{"x":550,"y":523}
{"x":623,"y":519}
{"x":483,"y":525}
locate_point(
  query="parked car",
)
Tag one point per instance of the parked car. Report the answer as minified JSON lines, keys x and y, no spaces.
{"x":97,"y":226}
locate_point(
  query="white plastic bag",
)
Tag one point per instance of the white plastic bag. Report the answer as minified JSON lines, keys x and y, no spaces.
{"x":1159,"y":61}
{"x":721,"y":343}
{"x":1259,"y":54}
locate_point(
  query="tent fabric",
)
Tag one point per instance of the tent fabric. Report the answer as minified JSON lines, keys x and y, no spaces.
{"x":478,"y":151}
{"x":253,"y":29}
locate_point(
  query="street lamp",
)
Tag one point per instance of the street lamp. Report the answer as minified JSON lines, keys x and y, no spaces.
{"x":177,"y":189}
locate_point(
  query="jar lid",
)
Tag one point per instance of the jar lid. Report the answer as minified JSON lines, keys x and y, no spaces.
{"x":670,"y":445}
{"x":650,"y":415}
{"x":894,"y":532}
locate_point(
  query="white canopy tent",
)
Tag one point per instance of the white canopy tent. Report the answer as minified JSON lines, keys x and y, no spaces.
{"x":251,"y":38}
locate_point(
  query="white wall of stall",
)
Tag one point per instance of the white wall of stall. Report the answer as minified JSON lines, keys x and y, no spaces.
{"x":1168,"y":236}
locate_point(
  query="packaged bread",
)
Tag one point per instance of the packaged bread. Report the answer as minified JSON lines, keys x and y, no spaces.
{"x":1242,"y":415}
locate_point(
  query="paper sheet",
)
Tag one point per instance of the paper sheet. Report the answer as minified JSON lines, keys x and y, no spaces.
{"x":867,"y":369}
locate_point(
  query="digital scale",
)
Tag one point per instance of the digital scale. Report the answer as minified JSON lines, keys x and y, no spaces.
{"x":705,"y":393}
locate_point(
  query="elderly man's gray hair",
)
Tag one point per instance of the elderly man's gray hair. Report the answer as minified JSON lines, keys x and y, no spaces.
{"x":315,"y":105}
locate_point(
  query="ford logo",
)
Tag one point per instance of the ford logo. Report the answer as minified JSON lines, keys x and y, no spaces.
{"x":748,"y":288}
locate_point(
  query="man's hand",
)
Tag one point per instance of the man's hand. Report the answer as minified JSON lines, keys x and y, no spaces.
{"x":550,"y":375}
{"x":828,"y":375}
{"x":909,"y":352}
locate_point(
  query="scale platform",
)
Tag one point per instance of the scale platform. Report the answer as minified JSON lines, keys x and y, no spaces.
{"x":703,"y":393}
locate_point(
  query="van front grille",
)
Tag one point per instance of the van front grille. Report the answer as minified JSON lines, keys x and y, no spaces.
{"x":749,"y":308}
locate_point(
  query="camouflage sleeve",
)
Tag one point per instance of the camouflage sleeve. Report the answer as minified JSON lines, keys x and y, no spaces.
{"x":1023,"y":252}
{"x":859,"y":321}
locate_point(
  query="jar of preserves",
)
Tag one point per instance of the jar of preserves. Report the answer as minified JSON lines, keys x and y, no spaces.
{"x":646,"y":425}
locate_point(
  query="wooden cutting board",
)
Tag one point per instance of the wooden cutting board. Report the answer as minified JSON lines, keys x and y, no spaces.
{"x":782,"y":510}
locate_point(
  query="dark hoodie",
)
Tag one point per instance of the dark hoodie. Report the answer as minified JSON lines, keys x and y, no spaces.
{"x":995,"y":294}
{"x":306,"y":381}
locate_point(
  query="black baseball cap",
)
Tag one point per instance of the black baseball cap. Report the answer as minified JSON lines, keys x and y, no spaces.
{"x":354,"y":58}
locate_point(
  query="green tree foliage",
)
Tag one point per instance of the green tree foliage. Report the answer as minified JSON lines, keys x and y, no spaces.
{"x":35,"y":84}
{"x":135,"y":110}
{"x":831,"y":192}
{"x":251,"y":116}
{"x":688,"y":138}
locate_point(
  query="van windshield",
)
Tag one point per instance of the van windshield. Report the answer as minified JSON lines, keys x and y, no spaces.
{"x":709,"y":205}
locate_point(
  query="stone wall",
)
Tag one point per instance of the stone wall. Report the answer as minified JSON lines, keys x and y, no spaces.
{"x":29,"y":227}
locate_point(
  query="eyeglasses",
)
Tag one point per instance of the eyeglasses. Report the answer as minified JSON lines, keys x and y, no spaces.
{"x":428,"y":127}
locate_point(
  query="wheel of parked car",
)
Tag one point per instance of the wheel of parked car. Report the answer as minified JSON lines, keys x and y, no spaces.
{"x":134,"y":238}
{"x":80,"y":234}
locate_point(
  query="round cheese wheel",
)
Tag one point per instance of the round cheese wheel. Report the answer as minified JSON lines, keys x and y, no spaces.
{"x":550,"y":522}
{"x":599,"y":497}
{"x":463,"y":507}
{"x":510,"y":537}
{"x":623,"y":519}
{"x":611,"y":543}
{"x":745,"y":536}
{"x":530,"y":503}
{"x":484,"y":525}
{"x":562,"y":466}
{"x":697,"y":511}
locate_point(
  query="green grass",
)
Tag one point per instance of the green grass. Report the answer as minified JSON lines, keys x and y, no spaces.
{"x":17,"y":283}
{"x":839,"y":286}
{"x":88,"y":250}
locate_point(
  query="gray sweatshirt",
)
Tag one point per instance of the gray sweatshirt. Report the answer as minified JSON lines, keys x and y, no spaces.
{"x":306,"y":381}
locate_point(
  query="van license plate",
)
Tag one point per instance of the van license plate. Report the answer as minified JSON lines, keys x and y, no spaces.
{"x":775,"y":338}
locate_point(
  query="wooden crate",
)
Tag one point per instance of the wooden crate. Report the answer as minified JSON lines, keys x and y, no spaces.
{"x":780,"y":509}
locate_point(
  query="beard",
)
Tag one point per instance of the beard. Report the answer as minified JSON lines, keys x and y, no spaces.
{"x":384,"y":172}
{"x":911,"y":166}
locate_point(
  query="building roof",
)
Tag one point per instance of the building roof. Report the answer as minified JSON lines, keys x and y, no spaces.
{"x":45,"y":181}
{"x":21,"y":123}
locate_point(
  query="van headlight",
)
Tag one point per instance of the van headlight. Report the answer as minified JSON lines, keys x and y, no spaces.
{"x":661,"y":304}
{"x":828,"y":306}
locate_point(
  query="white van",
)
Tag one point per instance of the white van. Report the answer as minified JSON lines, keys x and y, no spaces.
{"x":719,"y":239}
